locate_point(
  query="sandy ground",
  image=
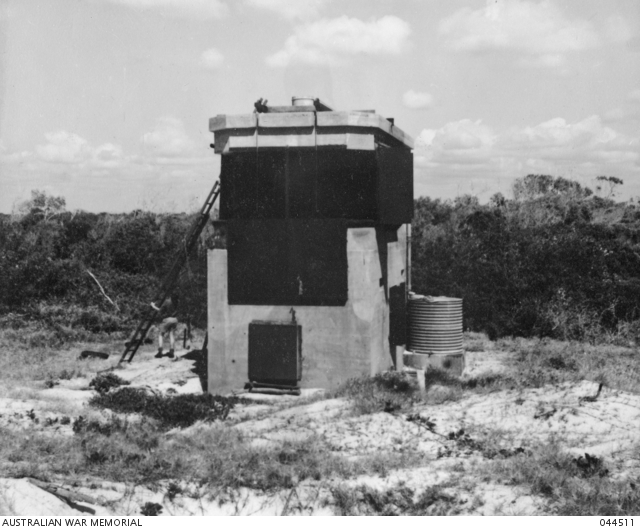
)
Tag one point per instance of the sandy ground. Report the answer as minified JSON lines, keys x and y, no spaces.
{"x":605,"y":427}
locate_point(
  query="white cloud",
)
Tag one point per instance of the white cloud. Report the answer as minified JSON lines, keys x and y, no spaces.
{"x":63,"y":147}
{"x":539,"y":30}
{"x":180,"y":8}
{"x":417,"y":100}
{"x":582,"y":144}
{"x":330,"y":41}
{"x":92,"y":177}
{"x":167,"y":144}
{"x":169,"y":139}
{"x":634,"y":95}
{"x":462,"y":142}
{"x":211,"y":59}
{"x":465,"y":150}
{"x":107,"y":156}
{"x":290,"y":9}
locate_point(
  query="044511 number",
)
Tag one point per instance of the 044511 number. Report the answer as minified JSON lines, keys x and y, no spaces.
{"x":616,"y":522}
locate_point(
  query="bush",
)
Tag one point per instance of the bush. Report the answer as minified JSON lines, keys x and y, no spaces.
{"x":171,"y":411}
{"x":105,"y":382}
{"x":150,"y":509}
{"x":366,"y":500}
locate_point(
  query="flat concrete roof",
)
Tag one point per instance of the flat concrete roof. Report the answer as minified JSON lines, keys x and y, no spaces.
{"x":305,"y":127}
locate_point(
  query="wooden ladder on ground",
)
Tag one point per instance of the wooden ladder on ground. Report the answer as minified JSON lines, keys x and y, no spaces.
{"x":171,"y":278}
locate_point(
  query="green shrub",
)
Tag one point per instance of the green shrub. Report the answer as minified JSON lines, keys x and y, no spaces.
{"x":179,"y":410}
{"x":400,"y":500}
{"x":396,"y":381}
{"x":151,"y":509}
{"x":105,"y":382}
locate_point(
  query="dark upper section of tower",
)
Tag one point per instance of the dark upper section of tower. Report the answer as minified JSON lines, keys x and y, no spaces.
{"x":306,"y":161}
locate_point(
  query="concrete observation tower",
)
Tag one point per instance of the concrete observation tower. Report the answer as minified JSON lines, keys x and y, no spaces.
{"x":311,"y":287}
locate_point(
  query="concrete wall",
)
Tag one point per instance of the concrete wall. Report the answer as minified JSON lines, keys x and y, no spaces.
{"x":337,"y":342}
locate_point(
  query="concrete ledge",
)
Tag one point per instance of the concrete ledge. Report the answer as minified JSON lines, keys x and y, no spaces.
{"x":355,"y":130}
{"x":287,"y":120}
{"x":233,"y":121}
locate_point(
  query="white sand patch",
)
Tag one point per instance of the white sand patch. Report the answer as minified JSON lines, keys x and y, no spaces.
{"x":295,"y":417}
{"x":606,"y":426}
{"x":483,"y":363}
{"x":375,"y":433}
{"x":68,"y":397}
{"x":162,"y":374}
{"x":504,"y":500}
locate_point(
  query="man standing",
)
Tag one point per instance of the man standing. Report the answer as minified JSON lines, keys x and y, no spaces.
{"x":167,"y":323}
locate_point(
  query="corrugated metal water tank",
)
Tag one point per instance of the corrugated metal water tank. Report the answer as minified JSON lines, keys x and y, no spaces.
{"x":435,"y":324}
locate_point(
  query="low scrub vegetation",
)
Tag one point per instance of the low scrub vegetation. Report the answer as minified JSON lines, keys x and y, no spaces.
{"x":102,"y":383}
{"x":139,"y":452}
{"x":135,"y":437}
{"x":389,"y":392}
{"x":48,"y":363}
{"x":573,"y":486}
{"x":554,"y":267}
{"x":541,"y":362}
{"x":554,"y":261}
{"x":174,"y":410}
{"x":69,"y":276}
{"x":401,"y":500}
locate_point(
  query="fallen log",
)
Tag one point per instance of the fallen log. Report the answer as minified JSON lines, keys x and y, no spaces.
{"x":64,"y":494}
{"x":98,"y":354}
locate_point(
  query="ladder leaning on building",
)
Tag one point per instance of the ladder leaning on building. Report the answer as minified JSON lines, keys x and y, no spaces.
{"x":170,"y":280}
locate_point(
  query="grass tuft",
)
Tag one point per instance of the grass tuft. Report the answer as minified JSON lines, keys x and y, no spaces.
{"x":21,"y":363}
{"x":573,"y":486}
{"x":388,"y":391}
{"x":541,"y":362}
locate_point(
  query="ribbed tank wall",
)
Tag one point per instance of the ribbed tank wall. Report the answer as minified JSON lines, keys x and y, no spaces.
{"x":435,"y":324}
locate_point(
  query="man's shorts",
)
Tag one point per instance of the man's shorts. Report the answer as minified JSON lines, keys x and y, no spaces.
{"x":169,"y":324}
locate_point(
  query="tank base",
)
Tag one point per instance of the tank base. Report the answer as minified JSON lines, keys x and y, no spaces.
{"x":453,"y":363}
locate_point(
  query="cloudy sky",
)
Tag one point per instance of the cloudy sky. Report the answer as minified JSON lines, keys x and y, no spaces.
{"x":107,"y":102}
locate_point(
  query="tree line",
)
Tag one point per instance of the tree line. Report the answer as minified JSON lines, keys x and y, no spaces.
{"x":555,"y":260}
{"x":93,"y":272}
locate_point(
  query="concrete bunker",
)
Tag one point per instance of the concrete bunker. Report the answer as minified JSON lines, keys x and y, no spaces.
{"x":311,"y":287}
